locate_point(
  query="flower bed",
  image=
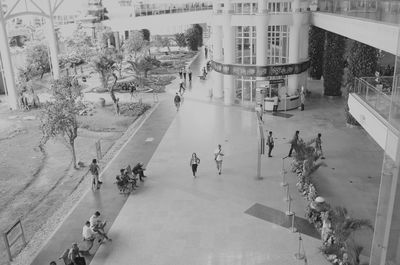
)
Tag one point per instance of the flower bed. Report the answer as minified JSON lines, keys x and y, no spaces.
{"x":334,"y":223}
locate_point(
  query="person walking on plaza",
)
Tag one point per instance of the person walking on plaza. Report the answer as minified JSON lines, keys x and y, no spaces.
{"x":180,"y":73}
{"x":95,"y":170}
{"x":181,"y":87}
{"x":276,"y":102}
{"x":259,"y":109}
{"x":218,"y":157}
{"x":302,"y":98}
{"x":177,"y":101}
{"x":190,"y":74}
{"x":205,"y":51}
{"x":293,"y":142}
{"x":194,"y":162}
{"x":184,"y":74}
{"x":270,"y":143}
{"x":318,"y":146}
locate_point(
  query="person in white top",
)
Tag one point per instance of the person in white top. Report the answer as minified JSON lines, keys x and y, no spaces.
{"x":218,"y":157}
{"x":194,"y":162}
{"x":97,"y":225}
{"x":89,"y":236}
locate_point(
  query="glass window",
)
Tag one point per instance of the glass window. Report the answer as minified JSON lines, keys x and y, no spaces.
{"x":245,"y":45}
{"x":279,"y":7}
{"x":277,"y":44}
{"x":245,"y":88}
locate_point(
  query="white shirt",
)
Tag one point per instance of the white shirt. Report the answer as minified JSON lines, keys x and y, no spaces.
{"x":87,"y":232}
{"x":219,"y":154}
{"x":94,"y":221}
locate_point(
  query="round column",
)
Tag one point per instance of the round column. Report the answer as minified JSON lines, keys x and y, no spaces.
{"x":53,"y":44}
{"x":261,"y":35}
{"x":217,"y":56}
{"x":8,"y":69}
{"x":228,"y":45}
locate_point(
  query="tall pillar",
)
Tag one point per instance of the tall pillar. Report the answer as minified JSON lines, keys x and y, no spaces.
{"x":53,"y":43}
{"x":261,"y":35}
{"x":8,"y":69}
{"x":217,"y":56}
{"x":228,"y":44}
{"x":294,"y":47}
{"x":117,"y":40}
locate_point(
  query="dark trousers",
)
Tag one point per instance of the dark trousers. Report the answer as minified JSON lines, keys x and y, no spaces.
{"x":302,"y":106}
{"x":275,"y":109}
{"x":180,"y":75}
{"x":194,"y":169}
{"x":270,"y":147}
{"x":190,"y":76}
{"x":184,"y":76}
{"x":291,"y":150}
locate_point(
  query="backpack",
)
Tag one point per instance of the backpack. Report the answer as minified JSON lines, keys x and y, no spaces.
{"x":177,"y":99}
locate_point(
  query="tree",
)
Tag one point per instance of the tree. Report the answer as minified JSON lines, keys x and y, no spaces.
{"x":192,"y":39}
{"x":146,"y":34}
{"x":199,"y":34}
{"x":160,"y":42}
{"x":37,"y":58}
{"x":144,"y":65}
{"x":333,"y":64}
{"x":104,"y":64}
{"x":316,"y":51}
{"x":59,"y":117}
{"x":136,"y":45}
{"x":180,"y":40}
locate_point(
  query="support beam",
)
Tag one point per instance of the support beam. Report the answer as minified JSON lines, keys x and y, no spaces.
{"x":53,"y":43}
{"x":8,"y":69}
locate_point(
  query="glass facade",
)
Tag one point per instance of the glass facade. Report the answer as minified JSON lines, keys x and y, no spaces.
{"x":381,"y":10}
{"x":245,"y":53}
{"x":279,"y":7}
{"x":168,"y":8}
{"x":245,"y":8}
{"x":278,"y":44}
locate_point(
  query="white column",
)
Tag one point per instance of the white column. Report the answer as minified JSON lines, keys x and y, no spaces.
{"x":8,"y":69}
{"x":294,"y":46}
{"x":261,"y":35}
{"x":217,"y":56}
{"x":53,"y":43}
{"x":228,"y":44}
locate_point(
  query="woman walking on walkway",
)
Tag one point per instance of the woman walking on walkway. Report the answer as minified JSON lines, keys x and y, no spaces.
{"x":194,"y":162}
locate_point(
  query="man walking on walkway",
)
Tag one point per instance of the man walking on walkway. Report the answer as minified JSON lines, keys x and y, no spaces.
{"x":95,"y":170}
{"x":181,"y":87}
{"x":270,"y":143}
{"x":218,"y":156}
{"x":318,"y":146}
{"x":294,"y":142}
{"x":190,"y":74}
{"x":177,"y":101}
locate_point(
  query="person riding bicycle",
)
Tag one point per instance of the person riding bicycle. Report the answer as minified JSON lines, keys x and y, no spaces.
{"x":94,"y":170}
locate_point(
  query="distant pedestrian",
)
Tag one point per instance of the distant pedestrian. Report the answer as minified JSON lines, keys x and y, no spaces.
{"x":302,"y":98}
{"x":118,"y":110}
{"x":190,"y":74}
{"x":184,"y":74}
{"x":95,"y":170}
{"x":260,"y":111}
{"x":204,"y":72}
{"x":75,"y":256}
{"x":205,"y":51}
{"x":177,"y":101}
{"x":180,"y":73}
{"x":218,"y":157}
{"x":181,"y":87}
{"x":294,"y":142}
{"x":132,"y":90}
{"x":318,"y":146}
{"x":270,"y":143}
{"x":276,"y":102}
{"x":194,"y":162}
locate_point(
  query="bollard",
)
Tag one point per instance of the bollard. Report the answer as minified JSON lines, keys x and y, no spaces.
{"x":299,"y":255}
{"x":289,"y":212}
{"x":283,"y":173}
{"x":292,"y":228}
{"x":287,"y":198}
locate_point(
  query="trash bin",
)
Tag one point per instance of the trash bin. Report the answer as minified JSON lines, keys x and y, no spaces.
{"x":102,"y":102}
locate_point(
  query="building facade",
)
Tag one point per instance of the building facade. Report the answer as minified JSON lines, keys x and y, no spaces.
{"x":259,"y":40}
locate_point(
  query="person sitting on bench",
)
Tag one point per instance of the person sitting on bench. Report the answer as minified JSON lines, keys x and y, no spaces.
{"x":97,"y":225}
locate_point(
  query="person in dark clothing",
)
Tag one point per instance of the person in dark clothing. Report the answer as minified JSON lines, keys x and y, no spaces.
{"x":177,"y":101}
{"x":139,"y":169}
{"x":293,"y":142}
{"x":270,"y":143}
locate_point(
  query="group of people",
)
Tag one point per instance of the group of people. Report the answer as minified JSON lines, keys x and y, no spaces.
{"x":294,"y":142}
{"x":218,"y":158}
{"x":127,"y":180}
{"x":92,"y":230}
{"x":185,"y":72}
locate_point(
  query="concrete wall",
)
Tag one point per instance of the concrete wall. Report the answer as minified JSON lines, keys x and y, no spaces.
{"x":374,"y":33}
{"x":375,"y":125}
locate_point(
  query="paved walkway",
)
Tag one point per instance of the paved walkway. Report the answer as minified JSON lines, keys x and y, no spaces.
{"x":221,"y":219}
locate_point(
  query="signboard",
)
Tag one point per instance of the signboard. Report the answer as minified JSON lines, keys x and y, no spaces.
{"x":260,"y":71}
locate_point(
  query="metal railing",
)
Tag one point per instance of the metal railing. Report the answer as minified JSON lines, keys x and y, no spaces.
{"x":373,"y":96}
{"x":143,"y":10}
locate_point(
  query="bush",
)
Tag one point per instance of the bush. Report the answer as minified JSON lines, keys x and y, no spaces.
{"x":134,"y":109}
{"x":124,"y":86}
